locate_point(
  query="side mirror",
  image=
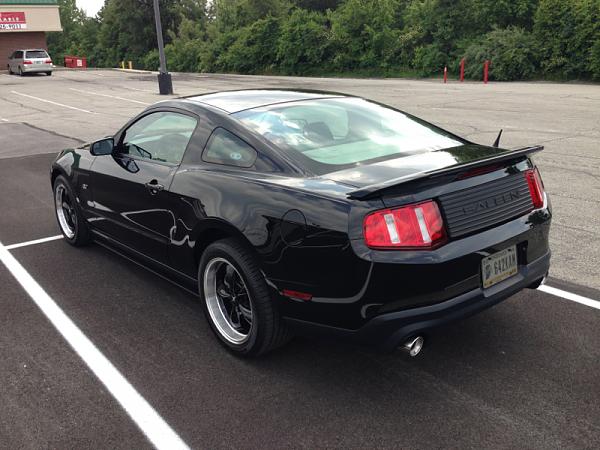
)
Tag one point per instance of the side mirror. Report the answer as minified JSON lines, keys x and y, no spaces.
{"x":102,"y":147}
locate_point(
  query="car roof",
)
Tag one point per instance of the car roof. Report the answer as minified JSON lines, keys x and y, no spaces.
{"x":240,"y":100}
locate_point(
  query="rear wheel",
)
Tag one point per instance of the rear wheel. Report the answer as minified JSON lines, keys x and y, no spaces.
{"x":70,"y":219}
{"x":237,"y":302}
{"x":48,"y":73}
{"x":20,"y":71}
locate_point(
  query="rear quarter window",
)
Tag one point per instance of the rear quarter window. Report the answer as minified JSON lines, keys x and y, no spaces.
{"x":226,"y":148}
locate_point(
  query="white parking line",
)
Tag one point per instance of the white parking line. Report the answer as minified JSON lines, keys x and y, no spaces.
{"x":4,"y":120}
{"x":36,"y":241}
{"x":544,"y":288}
{"x":158,"y":432}
{"x":570,"y":296}
{"x":50,"y":101}
{"x":110,"y":96}
{"x":142,"y":90}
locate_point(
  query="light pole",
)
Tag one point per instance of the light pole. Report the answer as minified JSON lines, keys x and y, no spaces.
{"x":165,"y":85}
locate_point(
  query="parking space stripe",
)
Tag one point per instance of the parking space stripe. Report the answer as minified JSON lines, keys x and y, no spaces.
{"x":36,"y":241}
{"x":51,"y":102}
{"x":110,"y":96}
{"x":570,"y":296}
{"x":544,"y":288}
{"x":158,"y":432}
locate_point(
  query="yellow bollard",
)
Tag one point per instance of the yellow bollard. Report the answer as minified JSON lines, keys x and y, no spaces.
{"x":130,"y":65}
{"x":122,"y":64}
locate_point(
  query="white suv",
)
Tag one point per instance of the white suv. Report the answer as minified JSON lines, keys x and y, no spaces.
{"x":29,"y":61}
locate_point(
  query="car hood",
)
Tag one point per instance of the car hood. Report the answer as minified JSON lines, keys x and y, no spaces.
{"x":378,"y":172}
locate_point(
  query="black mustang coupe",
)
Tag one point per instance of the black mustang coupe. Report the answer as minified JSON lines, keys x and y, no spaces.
{"x":310,"y":212}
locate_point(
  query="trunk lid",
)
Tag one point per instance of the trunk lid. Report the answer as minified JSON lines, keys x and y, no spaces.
{"x":376,"y":179}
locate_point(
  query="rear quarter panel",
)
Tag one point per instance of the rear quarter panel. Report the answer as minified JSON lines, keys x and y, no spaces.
{"x":297,"y":227}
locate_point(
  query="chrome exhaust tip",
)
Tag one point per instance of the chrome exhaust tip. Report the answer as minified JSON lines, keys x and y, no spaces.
{"x":413,"y":346}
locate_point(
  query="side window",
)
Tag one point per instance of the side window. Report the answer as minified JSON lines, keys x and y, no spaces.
{"x":159,"y":136}
{"x":18,"y":55}
{"x":226,"y":148}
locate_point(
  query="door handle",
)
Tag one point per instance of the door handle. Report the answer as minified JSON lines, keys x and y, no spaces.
{"x":153,"y":187}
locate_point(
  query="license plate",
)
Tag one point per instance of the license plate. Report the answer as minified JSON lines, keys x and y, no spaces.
{"x":39,"y":62}
{"x":499,"y":266}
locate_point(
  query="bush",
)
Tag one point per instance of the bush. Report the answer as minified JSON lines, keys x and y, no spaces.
{"x":511,"y":51}
{"x":363,"y":34}
{"x":151,"y":61}
{"x":595,"y":60}
{"x":254,"y":49}
{"x":429,"y":60}
{"x":303,"y":43}
{"x":567,"y":31}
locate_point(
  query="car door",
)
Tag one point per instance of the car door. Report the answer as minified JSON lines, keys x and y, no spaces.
{"x":131,"y":203}
{"x":16,"y":60}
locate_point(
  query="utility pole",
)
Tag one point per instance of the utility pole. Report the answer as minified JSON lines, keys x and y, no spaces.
{"x":165,"y":85}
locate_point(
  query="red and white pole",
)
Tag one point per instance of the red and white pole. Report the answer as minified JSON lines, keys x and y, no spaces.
{"x":445,"y":74}
{"x":462,"y":70}
{"x":486,"y":71}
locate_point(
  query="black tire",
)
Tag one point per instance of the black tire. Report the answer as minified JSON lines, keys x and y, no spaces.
{"x":268,"y":331}
{"x":9,"y":70}
{"x":21,"y":74}
{"x":81,"y":234}
{"x":49,"y":73}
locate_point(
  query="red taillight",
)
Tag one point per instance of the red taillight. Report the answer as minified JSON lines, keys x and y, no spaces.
{"x":48,"y":61}
{"x":412,"y":226}
{"x":27,"y":62}
{"x":536,"y":187}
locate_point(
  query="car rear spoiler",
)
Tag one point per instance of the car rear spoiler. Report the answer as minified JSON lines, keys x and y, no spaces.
{"x":369,"y":191}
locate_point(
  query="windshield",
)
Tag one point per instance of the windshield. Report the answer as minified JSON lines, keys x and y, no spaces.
{"x":332,"y":134}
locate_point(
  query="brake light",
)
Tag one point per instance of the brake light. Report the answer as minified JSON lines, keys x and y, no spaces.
{"x":48,"y":61}
{"x":27,"y":62}
{"x":413,"y":226}
{"x":479,"y":171}
{"x":536,"y":187}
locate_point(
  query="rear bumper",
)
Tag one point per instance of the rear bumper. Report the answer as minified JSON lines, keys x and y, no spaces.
{"x":31,"y":68}
{"x":388,"y":331}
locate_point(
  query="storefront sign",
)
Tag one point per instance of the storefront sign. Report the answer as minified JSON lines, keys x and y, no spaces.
{"x":12,"y":21}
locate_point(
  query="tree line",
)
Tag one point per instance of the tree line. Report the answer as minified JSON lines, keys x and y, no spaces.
{"x":523,"y":39}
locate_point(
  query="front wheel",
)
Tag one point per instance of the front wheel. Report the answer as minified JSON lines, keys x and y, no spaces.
{"x":48,"y":73}
{"x":236,"y":300}
{"x":70,"y":219}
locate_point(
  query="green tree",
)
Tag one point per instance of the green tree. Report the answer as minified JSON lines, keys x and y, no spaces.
{"x":363,"y":34}
{"x":127,"y":30}
{"x":254,"y":49}
{"x":511,"y":51}
{"x":71,"y":18}
{"x":303,"y":43}
{"x":567,"y":31}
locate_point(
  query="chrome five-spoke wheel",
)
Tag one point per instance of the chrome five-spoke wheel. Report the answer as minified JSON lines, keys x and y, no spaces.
{"x":67,"y":217}
{"x":228,"y":300}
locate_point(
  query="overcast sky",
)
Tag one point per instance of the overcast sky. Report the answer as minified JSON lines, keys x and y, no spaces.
{"x":91,"y":7}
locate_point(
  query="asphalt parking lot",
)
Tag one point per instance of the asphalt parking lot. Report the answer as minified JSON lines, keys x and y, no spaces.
{"x":525,"y":374}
